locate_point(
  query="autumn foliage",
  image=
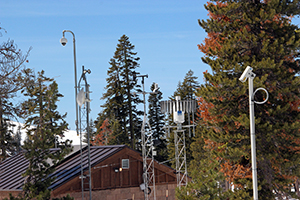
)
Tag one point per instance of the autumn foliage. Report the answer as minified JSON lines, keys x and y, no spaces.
{"x":259,"y":34}
{"x":103,"y":136}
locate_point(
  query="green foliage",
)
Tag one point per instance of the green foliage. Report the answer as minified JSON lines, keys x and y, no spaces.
{"x":186,"y":90}
{"x":120,"y":106}
{"x":68,"y":197}
{"x":257,"y":34}
{"x":156,"y":121}
{"x":43,"y":123}
{"x":207,"y":179}
{"x":11,"y":197}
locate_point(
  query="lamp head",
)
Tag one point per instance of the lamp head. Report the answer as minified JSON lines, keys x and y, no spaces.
{"x":63,"y":41}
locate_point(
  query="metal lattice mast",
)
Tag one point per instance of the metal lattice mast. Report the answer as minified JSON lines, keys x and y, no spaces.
{"x":178,"y":108}
{"x":83,"y":98}
{"x":148,"y":161}
{"x":147,"y":151}
{"x":180,"y":157}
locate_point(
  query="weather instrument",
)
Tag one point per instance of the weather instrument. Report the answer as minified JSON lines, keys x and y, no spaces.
{"x":178,"y":109}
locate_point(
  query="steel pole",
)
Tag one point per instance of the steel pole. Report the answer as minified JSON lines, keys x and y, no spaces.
{"x":75,"y":75}
{"x":252,"y":138}
{"x":88,"y":137}
{"x":76,"y":105}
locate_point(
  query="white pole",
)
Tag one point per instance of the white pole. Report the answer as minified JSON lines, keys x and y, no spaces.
{"x":252,"y":137}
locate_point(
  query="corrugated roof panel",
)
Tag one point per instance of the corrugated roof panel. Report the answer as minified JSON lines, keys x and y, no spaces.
{"x":11,"y":169}
{"x":71,"y":168}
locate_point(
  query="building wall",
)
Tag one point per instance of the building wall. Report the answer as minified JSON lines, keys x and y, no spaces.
{"x":132,"y":193}
{"x":109,"y":183}
{"x":5,"y":194}
{"x":104,"y":176}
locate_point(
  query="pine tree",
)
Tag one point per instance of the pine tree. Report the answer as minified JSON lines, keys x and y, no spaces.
{"x":186,"y":90}
{"x":258,"y":34}
{"x":43,"y":123}
{"x":156,"y":121}
{"x":120,"y":106}
{"x":207,"y":180}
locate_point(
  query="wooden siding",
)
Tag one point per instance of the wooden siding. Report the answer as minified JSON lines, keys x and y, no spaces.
{"x":104,"y":175}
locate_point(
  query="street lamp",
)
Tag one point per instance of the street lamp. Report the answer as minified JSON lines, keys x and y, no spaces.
{"x":248,"y":74}
{"x":64,"y":41}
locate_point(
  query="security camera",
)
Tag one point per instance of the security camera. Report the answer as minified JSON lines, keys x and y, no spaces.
{"x":63,"y":41}
{"x":246,"y":74}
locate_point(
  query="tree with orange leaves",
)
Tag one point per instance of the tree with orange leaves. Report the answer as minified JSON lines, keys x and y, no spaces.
{"x":103,"y":137}
{"x":260,"y":34}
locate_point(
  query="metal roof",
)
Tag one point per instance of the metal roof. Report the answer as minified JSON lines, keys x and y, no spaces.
{"x":11,"y":169}
{"x":70,"y":167}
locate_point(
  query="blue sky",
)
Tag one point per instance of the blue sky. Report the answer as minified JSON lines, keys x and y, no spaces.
{"x":165,"y":34}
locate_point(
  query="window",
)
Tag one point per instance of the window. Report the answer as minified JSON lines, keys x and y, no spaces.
{"x":125,"y":163}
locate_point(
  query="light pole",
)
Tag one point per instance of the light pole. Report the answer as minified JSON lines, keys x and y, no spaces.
{"x":248,"y":74}
{"x":64,"y":41}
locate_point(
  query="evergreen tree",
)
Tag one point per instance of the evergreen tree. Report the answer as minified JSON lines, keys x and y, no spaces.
{"x":207,"y":183}
{"x":43,"y":123}
{"x":156,"y":121}
{"x":120,"y":106}
{"x":186,"y":90}
{"x":258,"y":34}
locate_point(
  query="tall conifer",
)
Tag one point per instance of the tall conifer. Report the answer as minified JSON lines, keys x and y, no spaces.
{"x":120,"y":106}
{"x":43,"y":123}
{"x":259,"y":34}
{"x":157,"y":123}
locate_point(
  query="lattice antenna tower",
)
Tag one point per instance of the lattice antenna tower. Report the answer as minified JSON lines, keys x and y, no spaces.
{"x":178,"y":108}
{"x":147,"y":148}
{"x":83,"y":100}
